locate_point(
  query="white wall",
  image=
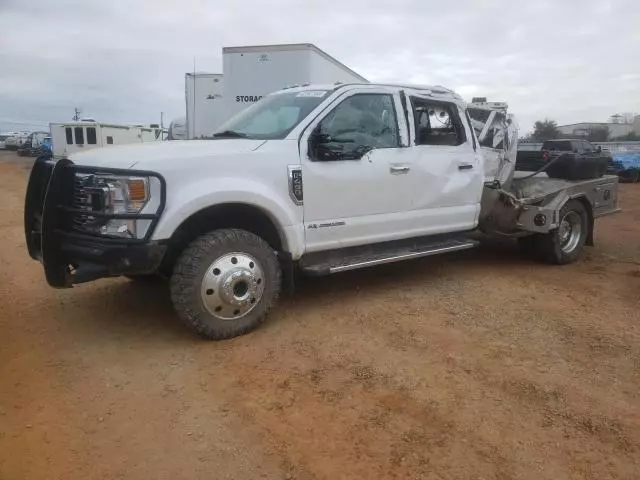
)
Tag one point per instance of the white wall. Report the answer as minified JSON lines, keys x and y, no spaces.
{"x":615,"y":129}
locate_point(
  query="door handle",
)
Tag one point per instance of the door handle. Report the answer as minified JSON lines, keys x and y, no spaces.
{"x":399,"y":169}
{"x":465,"y":166}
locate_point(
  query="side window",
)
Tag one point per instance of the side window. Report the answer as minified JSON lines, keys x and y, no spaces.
{"x":69,"y":132}
{"x":79,"y":131}
{"x":437,"y":123}
{"x":91,"y":135}
{"x":109,"y":140}
{"x":588,"y":147}
{"x":361,"y":123}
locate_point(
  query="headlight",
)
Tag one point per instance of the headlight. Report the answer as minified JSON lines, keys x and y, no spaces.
{"x":117,"y":195}
{"x":124,"y":195}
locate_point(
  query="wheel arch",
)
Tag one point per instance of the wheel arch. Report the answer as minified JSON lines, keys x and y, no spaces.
{"x":240,"y":215}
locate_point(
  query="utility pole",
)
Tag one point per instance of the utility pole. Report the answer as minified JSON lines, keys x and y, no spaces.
{"x":194,"y":100}
{"x":76,"y":114}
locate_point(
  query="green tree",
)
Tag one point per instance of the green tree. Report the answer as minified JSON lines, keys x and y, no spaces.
{"x":545,"y":130}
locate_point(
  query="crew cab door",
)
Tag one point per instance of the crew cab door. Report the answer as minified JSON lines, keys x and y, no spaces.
{"x":356,"y":172}
{"x":448,"y":167}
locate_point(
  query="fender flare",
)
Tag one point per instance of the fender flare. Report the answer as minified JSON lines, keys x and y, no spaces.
{"x":194,"y":197}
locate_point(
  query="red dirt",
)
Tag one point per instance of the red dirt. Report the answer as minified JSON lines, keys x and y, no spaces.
{"x":478,"y":365}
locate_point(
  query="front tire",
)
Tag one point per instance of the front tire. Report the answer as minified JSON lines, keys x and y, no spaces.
{"x":564,"y":244}
{"x":224,"y":283}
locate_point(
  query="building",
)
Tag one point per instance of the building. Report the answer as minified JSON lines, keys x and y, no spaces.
{"x":615,"y":129}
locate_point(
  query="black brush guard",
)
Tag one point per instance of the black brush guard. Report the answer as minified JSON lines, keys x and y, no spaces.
{"x":70,"y":256}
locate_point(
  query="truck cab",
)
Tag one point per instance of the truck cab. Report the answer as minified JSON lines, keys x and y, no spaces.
{"x":318,"y":179}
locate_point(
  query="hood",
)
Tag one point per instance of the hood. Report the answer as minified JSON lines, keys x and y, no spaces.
{"x":128,"y":156}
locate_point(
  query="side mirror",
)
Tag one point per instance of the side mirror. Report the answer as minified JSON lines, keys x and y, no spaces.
{"x":325,"y":147}
{"x":598,"y":149}
{"x":316,"y":141}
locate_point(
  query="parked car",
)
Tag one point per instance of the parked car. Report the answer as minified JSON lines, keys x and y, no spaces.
{"x":31,"y":145}
{"x":3,"y":138}
{"x":24,"y":150}
{"x":11,"y":142}
{"x":626,"y":164}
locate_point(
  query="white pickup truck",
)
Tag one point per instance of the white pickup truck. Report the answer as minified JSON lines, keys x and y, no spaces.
{"x":319,"y":179}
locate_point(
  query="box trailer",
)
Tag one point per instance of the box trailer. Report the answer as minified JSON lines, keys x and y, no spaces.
{"x":203,"y":93}
{"x":252,"y":72}
{"x":68,"y":138}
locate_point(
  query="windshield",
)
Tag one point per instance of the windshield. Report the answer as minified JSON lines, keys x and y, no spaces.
{"x":273,"y":117}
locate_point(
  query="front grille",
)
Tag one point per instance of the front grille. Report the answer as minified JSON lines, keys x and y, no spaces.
{"x":84,"y":193}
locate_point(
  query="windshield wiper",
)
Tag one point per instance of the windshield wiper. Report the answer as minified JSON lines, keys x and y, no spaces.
{"x":230,"y":134}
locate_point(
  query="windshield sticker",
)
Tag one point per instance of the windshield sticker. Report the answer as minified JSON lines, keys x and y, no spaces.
{"x":312,"y":93}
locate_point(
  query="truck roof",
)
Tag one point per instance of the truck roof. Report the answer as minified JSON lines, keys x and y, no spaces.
{"x":436,"y":91}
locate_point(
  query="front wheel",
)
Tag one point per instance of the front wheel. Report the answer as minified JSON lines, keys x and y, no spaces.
{"x":224,"y":283}
{"x":564,"y":244}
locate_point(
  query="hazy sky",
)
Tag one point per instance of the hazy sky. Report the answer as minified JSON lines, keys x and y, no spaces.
{"x":124,"y":60}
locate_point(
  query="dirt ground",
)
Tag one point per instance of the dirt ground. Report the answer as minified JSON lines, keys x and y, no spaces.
{"x":478,"y":365}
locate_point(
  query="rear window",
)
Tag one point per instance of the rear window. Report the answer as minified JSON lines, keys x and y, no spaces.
{"x":479,"y":114}
{"x":563,"y":145}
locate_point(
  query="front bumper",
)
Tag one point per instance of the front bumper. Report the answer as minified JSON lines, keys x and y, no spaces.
{"x":69,"y":255}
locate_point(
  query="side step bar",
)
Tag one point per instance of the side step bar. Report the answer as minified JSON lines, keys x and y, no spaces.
{"x":354,"y":258}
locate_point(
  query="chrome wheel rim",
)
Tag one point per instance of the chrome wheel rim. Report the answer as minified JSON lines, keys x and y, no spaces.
{"x":570,"y":231}
{"x":232,"y":286}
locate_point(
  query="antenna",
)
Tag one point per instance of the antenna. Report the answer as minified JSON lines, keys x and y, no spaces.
{"x":76,"y":114}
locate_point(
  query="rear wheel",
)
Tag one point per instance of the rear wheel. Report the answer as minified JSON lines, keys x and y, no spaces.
{"x":564,"y":244}
{"x":224,"y":283}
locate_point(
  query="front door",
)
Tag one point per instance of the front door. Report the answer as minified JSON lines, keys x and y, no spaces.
{"x":356,"y":172}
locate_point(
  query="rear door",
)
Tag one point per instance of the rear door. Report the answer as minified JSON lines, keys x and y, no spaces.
{"x":448,"y":170}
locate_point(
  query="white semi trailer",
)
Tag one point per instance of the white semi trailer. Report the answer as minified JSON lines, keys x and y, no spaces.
{"x":203,"y":93}
{"x":252,"y":72}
